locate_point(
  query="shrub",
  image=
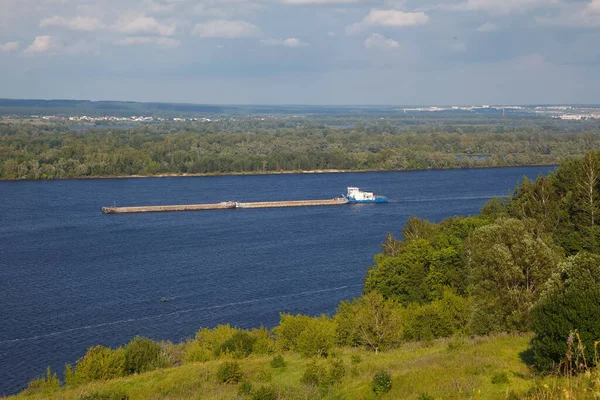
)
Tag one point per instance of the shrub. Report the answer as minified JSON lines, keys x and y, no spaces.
{"x":212,"y":339}
{"x":245,"y":388}
{"x":109,"y":395}
{"x":264,"y":342}
{"x":317,"y":338}
{"x":141,"y":355}
{"x":570,"y":303}
{"x":382,"y":383}
{"x":309,"y":336}
{"x":195,"y":351}
{"x":370,"y":321}
{"x":441,"y":318}
{"x":500,"y":378}
{"x":278,"y":361}
{"x":289,"y":329}
{"x":239,"y":345}
{"x":229,"y":372}
{"x":98,"y":363}
{"x":314,"y":374}
{"x":425,"y":396}
{"x":337,"y":370}
{"x":265,"y":393}
{"x":49,"y":382}
{"x":172,"y":354}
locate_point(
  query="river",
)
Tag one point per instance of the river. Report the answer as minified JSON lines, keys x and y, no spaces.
{"x":72,"y":277}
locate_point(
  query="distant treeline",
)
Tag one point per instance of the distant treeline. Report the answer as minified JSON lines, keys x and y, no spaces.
{"x":52,"y":151}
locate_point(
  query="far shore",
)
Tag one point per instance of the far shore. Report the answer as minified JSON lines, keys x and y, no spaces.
{"x":258,"y":173}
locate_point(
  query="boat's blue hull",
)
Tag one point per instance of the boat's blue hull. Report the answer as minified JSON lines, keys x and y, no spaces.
{"x":378,"y":199}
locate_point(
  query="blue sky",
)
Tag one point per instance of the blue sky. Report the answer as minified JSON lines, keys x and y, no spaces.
{"x":396,"y":52}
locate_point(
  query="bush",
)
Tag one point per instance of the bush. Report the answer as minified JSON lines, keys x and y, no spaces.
{"x":370,"y":321}
{"x":264,"y":342}
{"x":289,"y":329}
{"x":500,"y":378}
{"x":245,"y":388}
{"x":314,"y":374}
{"x":46,"y":383}
{"x":425,"y":396}
{"x":99,"y":363}
{"x":141,"y":355}
{"x":337,"y":370}
{"x":308,"y":336}
{"x":195,"y":351}
{"x":239,"y":345}
{"x":212,"y":339}
{"x":570,"y":304}
{"x":229,"y":372}
{"x":265,"y":393}
{"x":110,"y":395}
{"x":317,"y":338}
{"x":382,"y":383}
{"x":278,"y":361}
{"x":441,"y":318}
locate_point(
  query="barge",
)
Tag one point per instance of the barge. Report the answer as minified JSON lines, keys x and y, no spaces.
{"x":354,"y":195}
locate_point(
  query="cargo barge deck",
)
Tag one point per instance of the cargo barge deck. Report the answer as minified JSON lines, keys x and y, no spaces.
{"x":224,"y":206}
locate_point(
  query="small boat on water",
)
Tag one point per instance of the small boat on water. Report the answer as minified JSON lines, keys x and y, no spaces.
{"x":355,"y":195}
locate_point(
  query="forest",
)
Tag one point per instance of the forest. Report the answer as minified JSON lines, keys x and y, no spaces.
{"x":504,"y":304}
{"x":36,"y":150}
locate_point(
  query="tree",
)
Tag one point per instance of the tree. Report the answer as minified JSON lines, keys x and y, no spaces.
{"x":370,"y":321}
{"x":510,"y":263}
{"x":570,"y":305}
{"x":141,"y":355}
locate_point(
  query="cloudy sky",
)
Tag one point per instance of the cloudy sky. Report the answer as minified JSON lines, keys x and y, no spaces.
{"x":386,"y":52}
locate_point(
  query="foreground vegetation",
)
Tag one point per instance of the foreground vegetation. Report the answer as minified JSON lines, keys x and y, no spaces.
{"x":485,"y":368}
{"x":53,"y":151}
{"x":501,"y":305}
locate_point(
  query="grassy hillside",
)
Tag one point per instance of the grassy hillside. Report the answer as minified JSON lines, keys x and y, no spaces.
{"x":479,"y":368}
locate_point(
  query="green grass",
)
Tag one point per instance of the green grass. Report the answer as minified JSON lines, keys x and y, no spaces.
{"x":444,"y":369}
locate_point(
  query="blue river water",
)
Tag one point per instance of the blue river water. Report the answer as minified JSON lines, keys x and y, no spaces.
{"x":72,"y":277}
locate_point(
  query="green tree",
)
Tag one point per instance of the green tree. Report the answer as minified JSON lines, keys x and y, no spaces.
{"x":510,"y":265}
{"x":570,"y":304}
{"x":99,"y":363}
{"x":370,"y":321}
{"x":141,"y":355}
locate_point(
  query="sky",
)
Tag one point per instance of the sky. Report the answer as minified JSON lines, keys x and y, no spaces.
{"x":381,"y":52}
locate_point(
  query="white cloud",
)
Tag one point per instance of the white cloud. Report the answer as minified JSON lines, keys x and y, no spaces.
{"x":41,"y":44}
{"x":76,"y":23}
{"x":8,"y":47}
{"x":487,"y":27}
{"x":145,"y":40}
{"x":142,"y":24}
{"x":502,"y":7}
{"x":225,"y":29}
{"x":377,"y":41}
{"x":576,"y":15}
{"x":289,"y":42}
{"x":388,"y":18}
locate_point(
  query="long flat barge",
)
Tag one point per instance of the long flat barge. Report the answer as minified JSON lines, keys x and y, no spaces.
{"x":224,"y":206}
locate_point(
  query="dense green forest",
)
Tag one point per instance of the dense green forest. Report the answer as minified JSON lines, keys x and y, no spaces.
{"x":528,"y":265}
{"x":251,"y":145}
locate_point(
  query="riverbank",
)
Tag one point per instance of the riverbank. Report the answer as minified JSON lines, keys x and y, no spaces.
{"x":262,"y":173}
